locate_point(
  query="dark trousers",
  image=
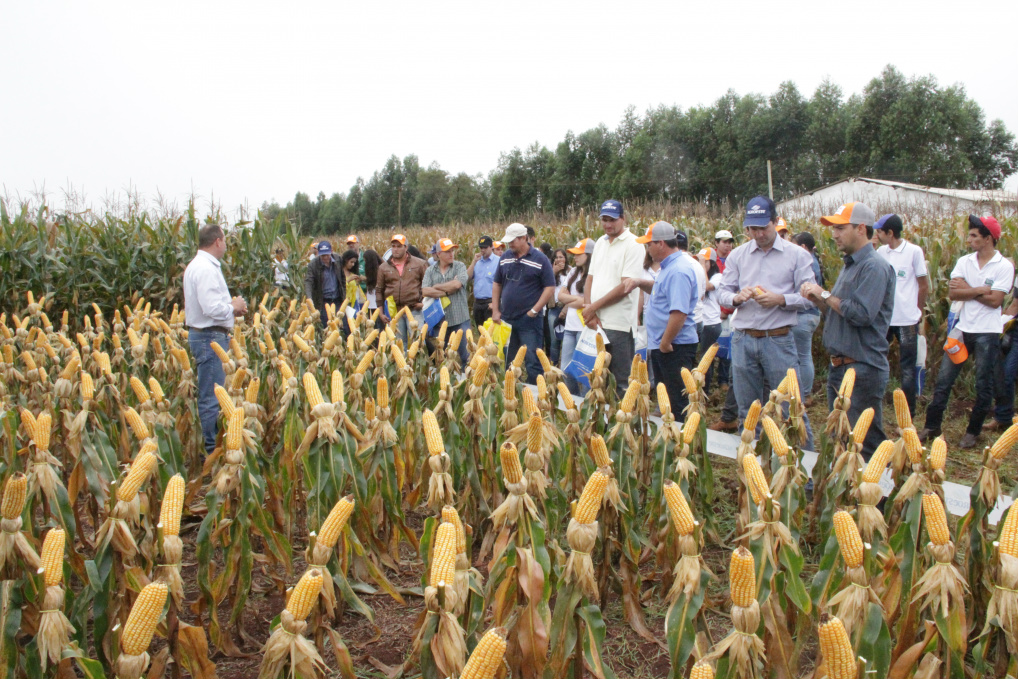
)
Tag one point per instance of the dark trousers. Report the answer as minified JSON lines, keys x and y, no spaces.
{"x":527,"y":332}
{"x":668,"y":369}
{"x":482,"y":311}
{"x":708,"y":337}
{"x":1005,"y":400}
{"x":984,"y":349}
{"x":870,"y":384}
{"x":908,"y":351}
{"x":323,"y":311}
{"x":622,"y":347}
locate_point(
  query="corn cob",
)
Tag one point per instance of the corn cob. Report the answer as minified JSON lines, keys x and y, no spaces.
{"x":52,"y":557}
{"x":836,"y":648}
{"x":642,"y":375}
{"x":938,"y":454}
{"x":847,"y":383}
{"x":535,"y":432}
{"x":742,"y":577}
{"x":137,"y":424}
{"x":132,"y":338}
{"x":285,"y":371}
{"x":9,"y":354}
{"x":481,"y":372}
{"x":28,"y":421}
{"x":251,"y":394}
{"x":235,"y":430}
{"x":331,"y":341}
{"x":774,"y":435}
{"x":793,"y":385}
{"x":300,"y":343}
{"x":878,"y":462}
{"x":688,"y":381}
{"x":1003,"y":445}
{"x":312,"y":391}
{"x":599,"y":451}
{"x":701,"y":670}
{"x":72,"y":367}
{"x":140,"y":470}
{"x":567,"y":398}
{"x":521,"y":355}
{"x":678,"y":508}
{"x":87,"y":387}
{"x":901,"y":411}
{"x":225,"y":401}
{"x":454,"y":341}
{"x":486,"y":659}
{"x":634,"y":368}
{"x":328,"y":535}
{"x":707,"y":359}
{"x":936,"y":519}
{"x":433,"y":433}
{"x":849,"y":540}
{"x":43,"y":429}
{"x":238,"y":379}
{"x":382,"y":392}
{"x":912,"y":445}
{"x":336,"y":391}
{"x":173,"y":505}
{"x":530,"y":403}
{"x":443,"y":559}
{"x":1008,"y":531}
{"x":542,"y":388}
{"x":511,"y":468}
{"x":144,"y":616}
{"x":369,"y":409}
{"x":752,"y":416}
{"x":450,"y":515}
{"x":755,"y":479}
{"x":443,"y":378}
{"x":663,"y":402}
{"x":104,"y":364}
{"x":629,"y":398}
{"x":29,"y":360}
{"x":309,"y":334}
{"x":15,"y":491}
{"x":690,"y":427}
{"x":599,"y":343}
{"x":305,"y":594}
{"x":590,"y":501}
{"x":139,"y":389}
{"x":862,"y":426}
{"x":238,"y":353}
{"x":398,"y":358}
{"x":156,"y":389}
{"x":220,"y":352}
{"x":543,"y":358}
{"x":599,"y":361}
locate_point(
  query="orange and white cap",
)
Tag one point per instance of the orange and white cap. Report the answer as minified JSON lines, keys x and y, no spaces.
{"x":398,"y":238}
{"x":708,"y":255}
{"x":352,"y":238}
{"x":583,"y":247}
{"x":851,"y":213}
{"x":446,"y":244}
{"x":782,"y":225}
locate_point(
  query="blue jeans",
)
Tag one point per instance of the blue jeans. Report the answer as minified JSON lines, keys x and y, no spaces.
{"x":569,"y":340}
{"x":870,"y":385}
{"x":708,"y":337}
{"x":1005,"y":400}
{"x":984,"y":349}
{"x":462,"y":350}
{"x":803,"y":334}
{"x":210,"y":373}
{"x":908,"y":353}
{"x":759,"y":364}
{"x":527,"y":332}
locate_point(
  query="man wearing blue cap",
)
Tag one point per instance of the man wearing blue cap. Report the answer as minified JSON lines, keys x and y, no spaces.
{"x":762,"y":280}
{"x":617,"y":258}
{"x":325,"y":282}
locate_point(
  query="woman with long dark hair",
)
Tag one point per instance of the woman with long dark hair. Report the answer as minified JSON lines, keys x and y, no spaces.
{"x":371,"y":263}
{"x":708,"y":258}
{"x":570,"y":294}
{"x":553,"y":339}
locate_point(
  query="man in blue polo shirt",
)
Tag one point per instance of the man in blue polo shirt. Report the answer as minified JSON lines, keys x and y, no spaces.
{"x":523,"y":285}
{"x":668,"y":314}
{"x":482,"y":272}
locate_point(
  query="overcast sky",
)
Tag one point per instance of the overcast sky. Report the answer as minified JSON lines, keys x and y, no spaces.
{"x":255,"y":101}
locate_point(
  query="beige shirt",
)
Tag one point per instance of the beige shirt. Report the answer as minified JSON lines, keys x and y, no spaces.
{"x":611,"y":262}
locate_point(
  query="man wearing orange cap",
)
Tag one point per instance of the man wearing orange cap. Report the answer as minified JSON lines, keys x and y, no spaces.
{"x":980,"y":280}
{"x":401,"y":278}
{"x":447,"y":280}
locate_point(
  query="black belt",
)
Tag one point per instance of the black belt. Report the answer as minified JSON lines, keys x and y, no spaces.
{"x":335,"y":300}
{"x":214,"y":328}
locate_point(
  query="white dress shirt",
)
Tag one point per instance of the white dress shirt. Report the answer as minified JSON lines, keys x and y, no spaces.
{"x":207,"y":300}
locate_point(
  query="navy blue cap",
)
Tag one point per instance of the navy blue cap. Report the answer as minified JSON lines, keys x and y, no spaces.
{"x":325,"y":248}
{"x":611,"y":208}
{"x":760,"y":211}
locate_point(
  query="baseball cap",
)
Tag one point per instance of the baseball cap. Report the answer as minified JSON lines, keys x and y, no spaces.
{"x":760,"y":211}
{"x":710,"y":254}
{"x":583,"y":247}
{"x":446,"y":244}
{"x":659,"y":231}
{"x":514,"y":231}
{"x":398,"y":238}
{"x":781,"y":225}
{"x":352,"y":238}
{"x":888,"y":222}
{"x":498,"y":244}
{"x":991,"y":224}
{"x":851,"y":213}
{"x":611,"y":208}
{"x":325,"y":248}
{"x":724,"y":234}
{"x":433,"y":250}
{"x":485,"y":242}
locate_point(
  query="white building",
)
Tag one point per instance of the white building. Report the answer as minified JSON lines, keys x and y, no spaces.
{"x":904,"y":199}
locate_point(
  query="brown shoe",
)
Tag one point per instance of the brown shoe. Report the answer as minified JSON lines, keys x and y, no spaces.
{"x":994,"y":425}
{"x":968,"y":441}
{"x":722,"y":425}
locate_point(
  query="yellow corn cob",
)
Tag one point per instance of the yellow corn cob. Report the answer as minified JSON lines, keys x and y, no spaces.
{"x":145,"y":615}
{"x":690,"y":427}
{"x":783,"y":385}
{"x":443,"y":378}
{"x":938,"y":454}
{"x":156,"y":389}
{"x":688,"y":381}
{"x":15,"y":491}
{"x":1003,"y":445}
{"x":521,"y":355}
{"x":235,"y":430}
{"x":104,"y":364}
{"x":936,"y":519}
{"x":337,"y":391}
{"x":634,"y":368}
{"x":663,"y":401}
{"x":238,"y":353}
{"x":398,"y":358}
{"x":432,"y":433}
{"x":285,"y":371}
{"x":486,"y":659}
{"x":511,"y":468}
{"x":139,"y":389}
{"x":411,"y":353}
{"x":8,"y":354}
{"x":901,"y":410}
{"x":72,"y":367}
{"x":43,"y":429}
{"x":542,"y":388}
{"x":52,"y":557}
{"x":443,"y":558}
{"x":543,"y":358}
{"x":753,"y":416}
{"x":137,"y":424}
{"x":707,"y":359}
{"x":678,"y":508}
{"x":305,"y":594}
{"x":862,"y":426}
{"x":173,"y":505}
{"x":849,"y":540}
{"x":450,"y":515}
{"x":331,"y":340}
{"x":599,"y":342}
{"x":220,"y":352}
{"x":878,"y":462}
{"x":742,"y":577}
{"x":141,"y":468}
{"x":629,"y":398}
{"x":912,"y":445}
{"x":481,"y":372}
{"x":312,"y":391}
{"x":530,"y":403}
{"x":382,"y":392}
{"x":701,"y":670}
{"x":590,"y":501}
{"x":454,"y":341}
{"x":238,"y":379}
{"x":535,"y":432}
{"x":328,"y":535}
{"x":87,"y":387}
{"x":268,"y":341}
{"x":836,"y":648}
{"x":309,"y":334}
{"x":132,"y":338}
{"x":599,"y":361}
{"x":28,"y":422}
{"x":369,"y":409}
{"x":847,"y":383}
{"x":29,"y":360}
{"x":299,"y":342}
{"x":567,"y":398}
{"x":370,"y":339}
{"x":1008,"y":531}
{"x":774,"y":435}
{"x":599,"y":451}
{"x":225,"y":401}
{"x":755,"y":479}
{"x":643,"y":375}
{"x":251,"y":395}
{"x":117,"y":344}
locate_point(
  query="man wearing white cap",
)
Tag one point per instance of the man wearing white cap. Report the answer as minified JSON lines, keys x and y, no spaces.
{"x":524,"y":282}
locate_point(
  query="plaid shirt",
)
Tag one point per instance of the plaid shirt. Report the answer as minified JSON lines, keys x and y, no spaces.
{"x":457,"y":312}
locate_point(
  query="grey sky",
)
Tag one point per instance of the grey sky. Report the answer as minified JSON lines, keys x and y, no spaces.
{"x":253,"y":101}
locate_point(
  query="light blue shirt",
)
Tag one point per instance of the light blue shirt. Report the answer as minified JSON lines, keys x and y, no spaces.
{"x":484,"y":274}
{"x":674,"y":290}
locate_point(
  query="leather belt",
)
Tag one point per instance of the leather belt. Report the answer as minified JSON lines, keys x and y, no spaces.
{"x":214,"y":328}
{"x":775,"y":332}
{"x":838,"y":361}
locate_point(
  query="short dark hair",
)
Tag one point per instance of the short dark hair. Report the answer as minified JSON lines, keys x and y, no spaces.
{"x":672,"y":243}
{"x":869,"y":231}
{"x":983,"y":231}
{"x":805,"y":238}
{"x":209,"y":234}
{"x":893,"y":224}
{"x":531,"y":233}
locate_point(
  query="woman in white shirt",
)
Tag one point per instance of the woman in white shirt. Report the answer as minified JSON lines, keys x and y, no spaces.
{"x":708,"y":258}
{"x":570,"y":295}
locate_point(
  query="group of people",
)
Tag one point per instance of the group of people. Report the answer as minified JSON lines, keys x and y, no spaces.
{"x":768,"y":295}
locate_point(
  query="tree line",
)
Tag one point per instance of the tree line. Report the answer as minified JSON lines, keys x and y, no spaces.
{"x":902,"y":128}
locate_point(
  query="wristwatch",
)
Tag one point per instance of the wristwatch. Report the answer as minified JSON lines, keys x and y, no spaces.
{"x":825,"y":295}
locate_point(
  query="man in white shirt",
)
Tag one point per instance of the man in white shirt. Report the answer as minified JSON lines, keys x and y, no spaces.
{"x":209,"y":312}
{"x":912,"y":284}
{"x":617,"y":258}
{"x":980,"y":280}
